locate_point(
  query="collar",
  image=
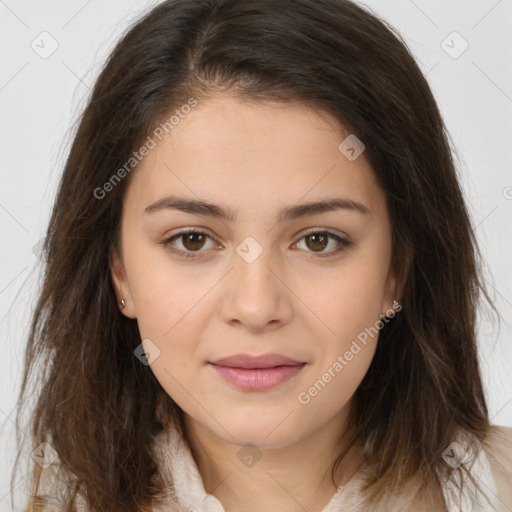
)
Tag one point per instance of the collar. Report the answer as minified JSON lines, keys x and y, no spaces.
{"x":185,"y":484}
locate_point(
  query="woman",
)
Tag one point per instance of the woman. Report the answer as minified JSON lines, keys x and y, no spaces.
{"x":261,"y":279}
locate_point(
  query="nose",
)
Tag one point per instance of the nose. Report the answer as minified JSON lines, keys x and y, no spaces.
{"x":255,"y":294}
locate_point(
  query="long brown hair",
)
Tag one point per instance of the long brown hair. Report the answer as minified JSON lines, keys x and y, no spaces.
{"x":96,"y":404}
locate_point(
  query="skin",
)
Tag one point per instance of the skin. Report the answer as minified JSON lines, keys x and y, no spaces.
{"x":257,"y":158}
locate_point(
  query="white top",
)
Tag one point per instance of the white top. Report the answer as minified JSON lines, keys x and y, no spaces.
{"x":191,"y":495}
{"x":471,"y":499}
{"x":183,"y":488}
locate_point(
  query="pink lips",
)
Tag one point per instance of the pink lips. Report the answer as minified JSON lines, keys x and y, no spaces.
{"x":257,"y":373}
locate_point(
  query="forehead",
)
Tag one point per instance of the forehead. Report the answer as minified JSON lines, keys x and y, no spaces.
{"x":254,"y":154}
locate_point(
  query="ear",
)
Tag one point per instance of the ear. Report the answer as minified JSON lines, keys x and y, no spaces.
{"x":120,"y":283}
{"x":394,"y":286}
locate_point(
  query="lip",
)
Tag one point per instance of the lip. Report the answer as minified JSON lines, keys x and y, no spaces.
{"x":251,"y":362}
{"x":259,"y":373}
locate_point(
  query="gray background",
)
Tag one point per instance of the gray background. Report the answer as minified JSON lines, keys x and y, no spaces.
{"x":41,"y":96}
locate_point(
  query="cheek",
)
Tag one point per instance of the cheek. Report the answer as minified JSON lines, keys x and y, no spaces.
{"x":174,"y":304}
{"x":341,"y":366}
{"x":349,"y":302}
{"x":349,"y":306}
{"x":165,"y":293}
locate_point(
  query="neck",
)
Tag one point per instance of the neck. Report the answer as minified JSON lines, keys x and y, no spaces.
{"x":293,"y":478}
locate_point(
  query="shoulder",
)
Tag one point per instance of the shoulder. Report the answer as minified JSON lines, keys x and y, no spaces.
{"x":498,"y":448}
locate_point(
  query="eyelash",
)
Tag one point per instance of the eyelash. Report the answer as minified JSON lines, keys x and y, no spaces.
{"x":343,"y":243}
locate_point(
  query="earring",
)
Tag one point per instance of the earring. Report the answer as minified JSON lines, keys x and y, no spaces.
{"x":396,"y":306}
{"x":123,"y":303}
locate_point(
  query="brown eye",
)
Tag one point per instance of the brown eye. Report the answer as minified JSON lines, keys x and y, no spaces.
{"x":188,"y":243}
{"x":193,"y":241}
{"x":317,"y":241}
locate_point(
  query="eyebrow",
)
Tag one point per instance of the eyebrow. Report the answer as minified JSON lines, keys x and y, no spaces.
{"x":199,"y":207}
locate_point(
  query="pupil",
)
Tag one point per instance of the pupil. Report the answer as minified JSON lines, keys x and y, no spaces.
{"x":196,"y":240}
{"x":318,"y":238}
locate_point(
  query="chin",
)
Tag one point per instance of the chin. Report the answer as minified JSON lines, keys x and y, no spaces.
{"x":265,"y":433}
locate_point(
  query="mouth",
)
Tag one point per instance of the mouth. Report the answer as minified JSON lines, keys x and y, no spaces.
{"x":256,"y":362}
{"x":257,"y":373}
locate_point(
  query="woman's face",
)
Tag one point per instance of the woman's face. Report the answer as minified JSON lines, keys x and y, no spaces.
{"x":256,"y":281}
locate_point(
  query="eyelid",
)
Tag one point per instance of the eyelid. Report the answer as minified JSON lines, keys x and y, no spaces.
{"x":320,"y":229}
{"x":343,"y":241}
{"x":184,"y":231}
